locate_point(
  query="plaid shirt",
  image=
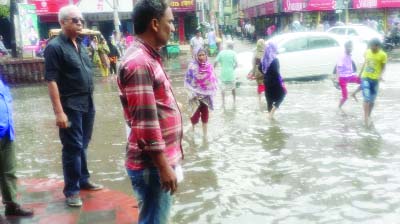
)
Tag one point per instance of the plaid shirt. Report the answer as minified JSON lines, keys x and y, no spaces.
{"x":150,"y":108}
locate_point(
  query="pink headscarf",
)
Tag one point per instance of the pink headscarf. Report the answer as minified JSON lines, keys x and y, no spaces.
{"x":200,"y":77}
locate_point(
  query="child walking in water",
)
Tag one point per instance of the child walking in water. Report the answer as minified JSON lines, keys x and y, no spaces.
{"x":200,"y":80}
{"x":275,"y":89}
{"x":257,"y":74}
{"x":346,"y":73}
{"x":371,"y":74}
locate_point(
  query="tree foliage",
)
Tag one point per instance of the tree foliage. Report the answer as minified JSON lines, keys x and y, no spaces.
{"x":4,"y":11}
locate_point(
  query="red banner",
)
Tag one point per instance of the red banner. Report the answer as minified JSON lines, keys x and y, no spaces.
{"x":321,"y":5}
{"x":183,"y":5}
{"x":294,"y":5}
{"x":250,"y":12}
{"x":45,"y":7}
{"x":389,"y":3}
{"x":268,"y":8}
{"x":370,"y":4}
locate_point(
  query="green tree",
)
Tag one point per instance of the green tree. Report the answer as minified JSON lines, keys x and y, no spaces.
{"x":4,"y":11}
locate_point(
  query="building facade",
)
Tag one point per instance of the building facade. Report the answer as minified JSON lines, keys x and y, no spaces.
{"x":311,"y":13}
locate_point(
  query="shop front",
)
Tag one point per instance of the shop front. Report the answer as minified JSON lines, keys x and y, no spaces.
{"x":185,"y":20}
{"x":266,"y":17}
{"x":309,"y":13}
{"x":385,"y":12}
{"x":99,"y":15}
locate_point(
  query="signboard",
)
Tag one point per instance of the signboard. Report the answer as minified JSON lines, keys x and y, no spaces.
{"x":5,"y":2}
{"x":294,"y":5}
{"x":104,"y":6}
{"x":44,"y":7}
{"x":321,"y":5}
{"x":363,"y":4}
{"x":368,"y":4}
{"x":388,"y":3}
{"x":183,"y":5}
{"x":28,"y":27}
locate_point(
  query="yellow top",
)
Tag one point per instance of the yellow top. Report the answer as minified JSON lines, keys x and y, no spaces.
{"x":374,"y":63}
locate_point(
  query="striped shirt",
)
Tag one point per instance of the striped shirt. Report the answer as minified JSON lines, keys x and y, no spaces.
{"x":150,"y":108}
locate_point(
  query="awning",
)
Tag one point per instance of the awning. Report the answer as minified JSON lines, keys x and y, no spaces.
{"x":250,"y":12}
{"x":268,"y":8}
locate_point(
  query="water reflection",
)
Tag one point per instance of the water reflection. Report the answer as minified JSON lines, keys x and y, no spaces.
{"x":370,"y":145}
{"x":275,"y":138}
{"x":201,"y":190}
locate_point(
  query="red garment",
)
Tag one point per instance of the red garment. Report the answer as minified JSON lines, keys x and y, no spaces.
{"x":343,"y":85}
{"x":260,"y":88}
{"x":129,"y":40}
{"x":149,"y":107}
{"x":203,"y":112}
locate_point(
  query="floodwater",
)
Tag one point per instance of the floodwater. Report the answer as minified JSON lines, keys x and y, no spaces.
{"x":313,"y":164}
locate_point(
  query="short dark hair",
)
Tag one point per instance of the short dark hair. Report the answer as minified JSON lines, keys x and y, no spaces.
{"x":348,"y":44}
{"x":146,"y":10}
{"x":375,"y":42}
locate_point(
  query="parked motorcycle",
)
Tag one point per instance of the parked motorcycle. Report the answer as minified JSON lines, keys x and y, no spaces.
{"x":389,"y":43}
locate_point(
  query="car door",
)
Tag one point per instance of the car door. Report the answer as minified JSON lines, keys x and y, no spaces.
{"x":323,"y":51}
{"x":292,"y":57}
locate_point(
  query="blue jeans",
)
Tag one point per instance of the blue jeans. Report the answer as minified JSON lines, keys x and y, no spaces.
{"x":369,"y":89}
{"x":154,"y":202}
{"x":75,"y":141}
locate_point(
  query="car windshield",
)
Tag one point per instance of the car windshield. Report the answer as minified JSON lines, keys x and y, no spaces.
{"x":363,"y":30}
{"x":340,"y":31}
{"x":278,"y":39}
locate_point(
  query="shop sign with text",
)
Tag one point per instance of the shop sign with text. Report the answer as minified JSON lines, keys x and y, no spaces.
{"x":321,"y":5}
{"x":294,"y":5}
{"x":183,"y":5}
{"x":369,"y":4}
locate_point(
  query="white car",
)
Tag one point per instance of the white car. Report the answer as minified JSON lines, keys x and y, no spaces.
{"x":306,"y":55}
{"x":357,"y":32}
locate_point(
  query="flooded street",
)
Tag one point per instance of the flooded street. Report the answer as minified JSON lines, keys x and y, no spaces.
{"x":313,"y":164}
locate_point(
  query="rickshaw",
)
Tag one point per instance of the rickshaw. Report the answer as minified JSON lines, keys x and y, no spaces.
{"x":173,"y":50}
{"x":85,"y":32}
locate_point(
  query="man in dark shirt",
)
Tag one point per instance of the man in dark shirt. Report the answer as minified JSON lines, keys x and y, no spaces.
{"x":70,"y":84}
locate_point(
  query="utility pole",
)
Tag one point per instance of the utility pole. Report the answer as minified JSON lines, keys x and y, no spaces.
{"x":202,"y":11}
{"x":13,"y":11}
{"x":116,"y":20}
{"x":221,"y":12}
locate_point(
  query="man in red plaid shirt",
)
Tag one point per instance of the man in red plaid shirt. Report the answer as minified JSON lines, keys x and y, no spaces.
{"x":154,"y":144}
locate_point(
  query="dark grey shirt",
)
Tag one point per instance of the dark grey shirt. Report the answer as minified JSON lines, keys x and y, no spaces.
{"x":71,"y":69}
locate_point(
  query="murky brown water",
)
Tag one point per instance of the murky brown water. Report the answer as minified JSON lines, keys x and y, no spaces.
{"x":312,"y":165}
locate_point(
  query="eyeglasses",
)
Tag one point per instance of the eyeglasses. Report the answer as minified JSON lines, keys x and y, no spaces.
{"x":76,"y":20}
